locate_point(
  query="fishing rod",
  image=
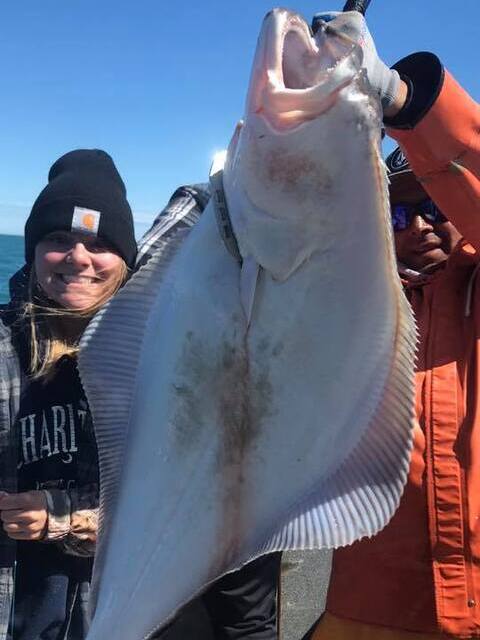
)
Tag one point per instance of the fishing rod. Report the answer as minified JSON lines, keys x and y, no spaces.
{"x":351,"y":5}
{"x":357,"y":5}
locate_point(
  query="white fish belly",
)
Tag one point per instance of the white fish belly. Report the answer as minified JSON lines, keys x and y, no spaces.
{"x":331,"y":339}
{"x":176,"y":483}
{"x":321,"y":348}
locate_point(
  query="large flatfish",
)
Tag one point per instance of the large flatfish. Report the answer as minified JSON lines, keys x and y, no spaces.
{"x":245,"y":404}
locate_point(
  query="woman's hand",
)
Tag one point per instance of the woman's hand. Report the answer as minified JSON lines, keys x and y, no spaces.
{"x":24,"y":516}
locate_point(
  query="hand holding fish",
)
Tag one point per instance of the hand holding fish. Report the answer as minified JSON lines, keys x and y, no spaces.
{"x":24,"y":515}
{"x":385,"y":81}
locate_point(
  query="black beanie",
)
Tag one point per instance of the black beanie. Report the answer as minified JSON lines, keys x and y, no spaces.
{"x":84,"y":193}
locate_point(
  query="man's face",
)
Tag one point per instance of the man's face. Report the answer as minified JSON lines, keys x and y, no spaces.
{"x":423,"y":245}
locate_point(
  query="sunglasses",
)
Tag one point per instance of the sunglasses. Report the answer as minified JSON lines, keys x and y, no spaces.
{"x":403,"y":214}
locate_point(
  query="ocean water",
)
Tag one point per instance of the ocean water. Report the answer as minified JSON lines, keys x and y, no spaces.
{"x":11,"y":259}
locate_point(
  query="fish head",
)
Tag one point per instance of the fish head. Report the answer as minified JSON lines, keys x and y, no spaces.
{"x":296,"y":76}
{"x":284,"y":158}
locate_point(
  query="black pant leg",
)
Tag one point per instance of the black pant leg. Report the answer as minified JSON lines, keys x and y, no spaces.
{"x":243,"y":604}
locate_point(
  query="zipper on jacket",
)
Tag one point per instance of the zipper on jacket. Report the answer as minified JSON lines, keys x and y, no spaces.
{"x":471,"y":602}
{"x":470,"y":586}
{"x":431,"y":464}
{"x":427,"y":393}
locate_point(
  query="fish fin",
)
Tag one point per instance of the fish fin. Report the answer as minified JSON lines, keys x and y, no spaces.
{"x":109,"y":382}
{"x":360,"y":498}
{"x":248,"y":285}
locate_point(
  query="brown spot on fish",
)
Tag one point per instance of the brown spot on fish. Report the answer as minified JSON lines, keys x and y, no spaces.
{"x":261,"y":396}
{"x":263,"y":345}
{"x":277,"y":349}
{"x":292,"y":170}
{"x":194,"y":371}
{"x":243,"y":403}
{"x":243,"y":419}
{"x":265,"y":348}
{"x":286,"y":168}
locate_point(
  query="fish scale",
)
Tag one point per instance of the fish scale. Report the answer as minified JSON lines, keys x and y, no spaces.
{"x":267,"y":402}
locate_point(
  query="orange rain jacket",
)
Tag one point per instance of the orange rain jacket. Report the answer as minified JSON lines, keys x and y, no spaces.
{"x":422,"y":572}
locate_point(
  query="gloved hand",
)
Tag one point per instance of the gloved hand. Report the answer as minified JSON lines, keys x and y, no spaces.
{"x":384,"y":81}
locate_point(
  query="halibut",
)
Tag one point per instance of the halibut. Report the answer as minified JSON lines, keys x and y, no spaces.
{"x":250,"y":403}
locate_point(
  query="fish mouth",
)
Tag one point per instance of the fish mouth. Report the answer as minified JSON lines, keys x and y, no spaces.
{"x":303,"y":63}
{"x":297,"y":76}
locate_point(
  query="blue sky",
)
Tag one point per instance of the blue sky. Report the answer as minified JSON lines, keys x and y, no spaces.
{"x":160,"y":85}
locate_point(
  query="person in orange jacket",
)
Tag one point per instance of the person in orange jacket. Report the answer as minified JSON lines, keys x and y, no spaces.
{"x":419,"y":578}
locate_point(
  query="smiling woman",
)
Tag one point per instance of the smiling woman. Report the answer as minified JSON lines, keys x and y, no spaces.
{"x":77,"y":270}
{"x":79,"y":245}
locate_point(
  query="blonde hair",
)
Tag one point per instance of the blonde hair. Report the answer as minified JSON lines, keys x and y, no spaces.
{"x":55,"y":332}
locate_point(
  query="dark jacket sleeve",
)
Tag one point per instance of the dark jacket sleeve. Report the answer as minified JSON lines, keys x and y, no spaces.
{"x":182,"y":211}
{"x":424,"y":74}
{"x":243,"y":604}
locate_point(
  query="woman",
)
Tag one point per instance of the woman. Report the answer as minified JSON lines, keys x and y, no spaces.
{"x":79,"y":245}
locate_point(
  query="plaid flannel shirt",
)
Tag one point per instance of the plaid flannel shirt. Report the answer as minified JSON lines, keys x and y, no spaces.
{"x":72,"y":515}
{"x":182,"y":211}
{"x":9,"y":403}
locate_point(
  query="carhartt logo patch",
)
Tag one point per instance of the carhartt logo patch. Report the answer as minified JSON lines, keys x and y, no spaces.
{"x":85,"y":220}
